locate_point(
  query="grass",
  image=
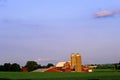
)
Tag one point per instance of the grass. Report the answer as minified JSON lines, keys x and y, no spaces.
{"x":104,"y":70}
{"x":59,"y":76}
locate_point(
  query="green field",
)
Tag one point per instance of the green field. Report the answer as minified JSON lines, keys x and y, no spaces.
{"x":104,"y":70}
{"x":59,"y":76}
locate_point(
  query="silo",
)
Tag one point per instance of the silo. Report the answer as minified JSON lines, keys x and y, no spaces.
{"x":78,"y":67}
{"x":73,"y":61}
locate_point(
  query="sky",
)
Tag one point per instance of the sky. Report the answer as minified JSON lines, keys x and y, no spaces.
{"x":48,"y":31}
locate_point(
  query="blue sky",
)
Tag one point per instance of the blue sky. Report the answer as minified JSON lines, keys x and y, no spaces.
{"x":50,"y":30}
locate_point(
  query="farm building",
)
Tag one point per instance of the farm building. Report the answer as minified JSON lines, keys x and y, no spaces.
{"x":74,"y":65}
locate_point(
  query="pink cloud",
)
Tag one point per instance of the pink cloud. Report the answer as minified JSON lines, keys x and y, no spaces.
{"x":106,"y":13}
{"x":103,"y":13}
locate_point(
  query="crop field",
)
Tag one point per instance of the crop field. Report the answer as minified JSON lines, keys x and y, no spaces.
{"x":59,"y":76}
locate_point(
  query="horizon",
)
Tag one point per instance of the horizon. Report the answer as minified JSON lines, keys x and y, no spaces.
{"x":48,"y":31}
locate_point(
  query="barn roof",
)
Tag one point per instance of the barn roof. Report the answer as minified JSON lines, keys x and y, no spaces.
{"x":60,"y":64}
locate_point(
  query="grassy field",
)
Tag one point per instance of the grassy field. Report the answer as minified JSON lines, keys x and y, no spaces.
{"x":104,"y":70}
{"x":59,"y":76}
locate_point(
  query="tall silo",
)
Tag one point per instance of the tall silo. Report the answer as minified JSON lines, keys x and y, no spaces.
{"x":78,"y":67}
{"x":73,"y":61}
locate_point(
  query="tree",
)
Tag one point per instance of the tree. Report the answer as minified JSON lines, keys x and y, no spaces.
{"x":105,"y":66}
{"x":2,"y":68}
{"x":15,"y":67}
{"x":39,"y":66}
{"x":115,"y":66}
{"x":10,"y":67}
{"x":7,"y":66}
{"x":31,"y":65}
{"x":49,"y":65}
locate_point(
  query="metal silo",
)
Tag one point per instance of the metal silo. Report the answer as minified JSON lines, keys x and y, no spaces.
{"x":78,"y":67}
{"x":73,"y":61}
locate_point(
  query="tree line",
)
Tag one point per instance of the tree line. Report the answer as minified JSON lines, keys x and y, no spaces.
{"x":115,"y":66}
{"x":30,"y":65}
{"x":10,"y":67}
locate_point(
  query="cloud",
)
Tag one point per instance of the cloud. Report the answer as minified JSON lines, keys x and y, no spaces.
{"x":106,"y":13}
{"x":116,"y":11}
{"x":44,"y":59}
{"x":103,"y":13}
